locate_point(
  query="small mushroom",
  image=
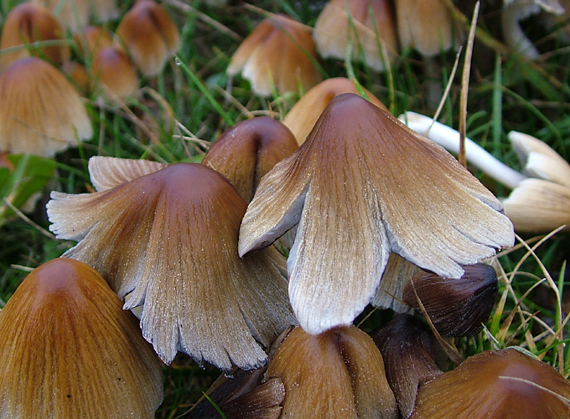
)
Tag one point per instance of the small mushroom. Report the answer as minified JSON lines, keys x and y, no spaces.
{"x":115,"y":73}
{"x":149,"y":35}
{"x":246,"y":152}
{"x":91,"y":39}
{"x":280,"y":54}
{"x":339,"y":373}
{"x":303,"y":115}
{"x":364,"y":25}
{"x":496,"y":384}
{"x":68,"y":350}
{"x":72,"y":14}
{"x":364,"y":185}
{"x":168,"y":239}
{"x":40,"y":111}
{"x":28,"y":23}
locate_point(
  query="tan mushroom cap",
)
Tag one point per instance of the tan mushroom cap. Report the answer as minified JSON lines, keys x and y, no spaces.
{"x":246,"y":152}
{"x":68,"y":350}
{"x":340,"y":370}
{"x":169,"y":240}
{"x":150,"y":36}
{"x":496,"y":384}
{"x":117,"y":75}
{"x":72,"y":14}
{"x":91,"y":39}
{"x":303,"y":115}
{"x":370,"y":25}
{"x":28,"y":23}
{"x":425,"y":25}
{"x":40,"y":111}
{"x":280,"y":54}
{"x":364,"y":185}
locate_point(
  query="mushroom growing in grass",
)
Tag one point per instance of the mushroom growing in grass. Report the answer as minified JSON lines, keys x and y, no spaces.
{"x":28,"y":23}
{"x":40,"y":111}
{"x":364,"y":185}
{"x":496,"y":384}
{"x":115,"y":73}
{"x":303,"y":115}
{"x":149,"y":35}
{"x":246,"y":152}
{"x":68,"y":350}
{"x":367,"y":25}
{"x":339,"y":373}
{"x":279,"y":54}
{"x":167,"y":236}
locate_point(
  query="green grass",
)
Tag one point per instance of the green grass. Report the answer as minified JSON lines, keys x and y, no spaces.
{"x":507,"y":96}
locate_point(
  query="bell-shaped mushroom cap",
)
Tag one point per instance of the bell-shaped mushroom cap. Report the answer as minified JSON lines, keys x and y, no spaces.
{"x":496,"y":384}
{"x":113,"y":70}
{"x":279,"y":53}
{"x":364,"y":185}
{"x":40,"y":111}
{"x":28,"y":23}
{"x":340,"y":370}
{"x":425,"y":25}
{"x":406,"y":346}
{"x":303,"y":115}
{"x":68,"y":350}
{"x":370,"y":25}
{"x":91,"y":39}
{"x":150,"y":36}
{"x":72,"y":14}
{"x":246,"y":152}
{"x":169,"y":238}
{"x":456,"y":307}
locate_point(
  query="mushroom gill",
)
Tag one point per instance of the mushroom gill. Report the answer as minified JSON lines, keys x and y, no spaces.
{"x":68,"y":350}
{"x":364,"y":185}
{"x":169,"y":239}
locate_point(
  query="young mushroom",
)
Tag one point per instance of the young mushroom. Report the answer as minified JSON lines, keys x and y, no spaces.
{"x":168,"y":239}
{"x":68,"y":350}
{"x":364,"y":185}
{"x":279,"y":54}
{"x":339,"y":373}
{"x":40,"y":111}
{"x":496,"y":384}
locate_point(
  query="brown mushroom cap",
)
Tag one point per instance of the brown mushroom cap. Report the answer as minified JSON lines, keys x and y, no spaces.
{"x":375,"y":26}
{"x":496,"y":384}
{"x":91,"y":39}
{"x":72,"y":14}
{"x":246,"y":152}
{"x":169,"y":239}
{"x":112,"y":68}
{"x":364,"y":185}
{"x":28,"y":23}
{"x":340,"y":370}
{"x":68,"y":350}
{"x":276,"y":54}
{"x":40,"y":111}
{"x":150,"y":36}
{"x":303,"y":115}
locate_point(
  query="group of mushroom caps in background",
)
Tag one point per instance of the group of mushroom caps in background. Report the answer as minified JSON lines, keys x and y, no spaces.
{"x":356,"y":200}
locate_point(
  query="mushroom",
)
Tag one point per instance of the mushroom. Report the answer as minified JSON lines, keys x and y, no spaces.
{"x":115,"y":73}
{"x":364,"y":185}
{"x":149,"y":35}
{"x":516,"y":10}
{"x":246,"y":152}
{"x":168,"y":239}
{"x":68,"y":350}
{"x":358,"y":24}
{"x":28,"y":23}
{"x":496,"y":384}
{"x":456,"y":307}
{"x":72,"y":14}
{"x":280,"y":54}
{"x":40,"y":111}
{"x":303,"y":115}
{"x":91,"y":39}
{"x":407,"y":348}
{"x":339,"y":373}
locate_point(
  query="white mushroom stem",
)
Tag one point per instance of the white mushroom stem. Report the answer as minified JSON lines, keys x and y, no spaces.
{"x":449,"y":139}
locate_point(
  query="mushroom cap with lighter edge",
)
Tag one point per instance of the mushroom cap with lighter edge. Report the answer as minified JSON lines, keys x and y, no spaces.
{"x":69,"y":350}
{"x":364,"y":185}
{"x":166,"y":236}
{"x":41,"y":113}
